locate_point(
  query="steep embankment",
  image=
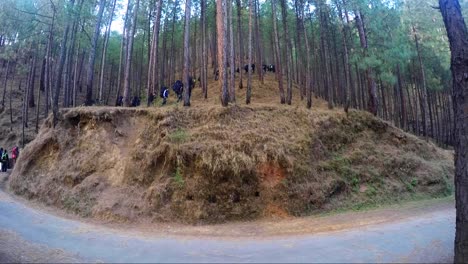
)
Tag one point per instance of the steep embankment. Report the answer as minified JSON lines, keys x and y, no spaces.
{"x":212,"y":164}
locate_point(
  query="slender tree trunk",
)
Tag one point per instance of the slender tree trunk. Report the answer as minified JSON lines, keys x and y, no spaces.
{"x":43,"y":74}
{"x":48,"y":74}
{"x":458,"y":39}
{"x":371,"y":86}
{"x":24,"y":123}
{"x":111,"y":83}
{"x":204,"y":77}
{"x":403,"y":121}
{"x":187,"y":91}
{"x":104,"y":52}
{"x":323,"y":12}
{"x":347,"y":71}
{"x":289,"y":49}
{"x":424,"y":105}
{"x":164,"y":53}
{"x":38,"y":107}
{"x":156,"y":69}
{"x":279,"y":68}
{"x":153,"y":62}
{"x":58,"y":79}
{"x":308,"y":81}
{"x":240,"y":42}
{"x":92,"y":55}
{"x":258,"y":42}
{"x":5,"y":82}
{"x":172,"y":58}
{"x":221,"y":24}
{"x":249,"y":72}
{"x":11,"y":103}
{"x":301,"y":68}
{"x":232,"y":82}
{"x":69,"y":59}
{"x":75,"y":77}
{"x":128,"y":61}
{"x":121,"y":58}
{"x":31,"y":86}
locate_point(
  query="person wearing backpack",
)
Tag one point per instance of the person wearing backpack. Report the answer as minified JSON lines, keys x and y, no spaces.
{"x":164,"y":94}
{"x":14,"y":155}
{"x":1,"y":160}
{"x":4,"y":160}
{"x":178,"y":89}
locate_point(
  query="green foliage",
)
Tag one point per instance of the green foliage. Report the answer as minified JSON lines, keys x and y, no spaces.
{"x":178,"y":178}
{"x":178,"y":136}
{"x":449,"y":187}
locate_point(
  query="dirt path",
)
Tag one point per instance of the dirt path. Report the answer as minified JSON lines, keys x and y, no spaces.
{"x":415,"y":232}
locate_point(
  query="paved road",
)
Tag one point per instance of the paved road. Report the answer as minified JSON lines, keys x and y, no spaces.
{"x":423,"y":238}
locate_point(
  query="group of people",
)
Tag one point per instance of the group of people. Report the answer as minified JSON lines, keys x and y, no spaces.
{"x":178,"y":87}
{"x":5,"y":158}
{"x":136,"y":101}
{"x":265,"y":67}
{"x":269,"y":68}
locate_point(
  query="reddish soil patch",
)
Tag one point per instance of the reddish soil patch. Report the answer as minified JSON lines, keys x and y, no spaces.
{"x":270,"y":174}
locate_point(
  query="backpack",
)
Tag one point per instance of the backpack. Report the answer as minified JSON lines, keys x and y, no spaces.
{"x":178,"y":86}
{"x":4,"y":155}
{"x":163,"y":91}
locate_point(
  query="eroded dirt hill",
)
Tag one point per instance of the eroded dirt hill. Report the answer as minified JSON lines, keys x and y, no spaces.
{"x":212,"y":164}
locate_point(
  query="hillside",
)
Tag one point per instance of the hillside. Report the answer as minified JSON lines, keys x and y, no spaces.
{"x":209,"y":164}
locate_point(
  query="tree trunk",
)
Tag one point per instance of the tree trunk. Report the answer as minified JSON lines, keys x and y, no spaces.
{"x":128,"y":61}
{"x":58,"y":81}
{"x":240,"y":43}
{"x":232,"y":82}
{"x":279,"y":68}
{"x":424,"y":105}
{"x":347,"y":71}
{"x":5,"y":82}
{"x":156,"y":84}
{"x":172,"y":57}
{"x":43,"y":74}
{"x":11,"y":108}
{"x":187,"y":91}
{"x":48,"y":74}
{"x":121,"y":60}
{"x":323,"y":12}
{"x":221,"y":24}
{"x":153,"y":61}
{"x":289,"y":49}
{"x":249,"y":72}
{"x":458,"y":39}
{"x":104,"y":52}
{"x":31,"y":101}
{"x":371,"y":86}
{"x":204,"y":77}
{"x":38,"y":107}
{"x":92,"y":55}
{"x":258,"y":42}
{"x":308,"y":82}
{"x":403,"y":121}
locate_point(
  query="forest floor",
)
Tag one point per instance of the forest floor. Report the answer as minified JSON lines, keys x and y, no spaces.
{"x":417,"y":232}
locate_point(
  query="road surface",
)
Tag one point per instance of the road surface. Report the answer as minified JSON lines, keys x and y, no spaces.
{"x":29,"y":234}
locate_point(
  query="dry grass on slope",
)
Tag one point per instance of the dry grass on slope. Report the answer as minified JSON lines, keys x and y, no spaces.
{"x":209,"y":164}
